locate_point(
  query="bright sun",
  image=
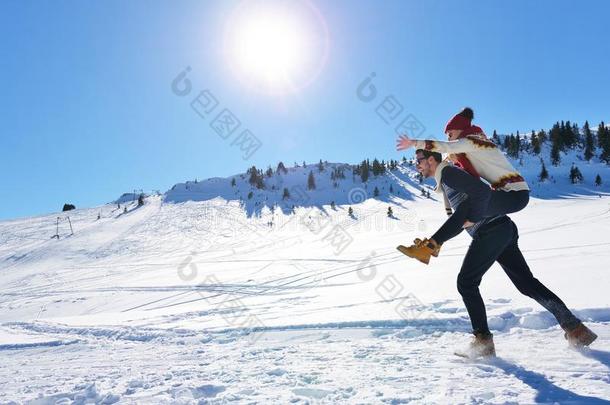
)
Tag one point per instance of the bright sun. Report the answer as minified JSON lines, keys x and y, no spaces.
{"x":276,"y":46}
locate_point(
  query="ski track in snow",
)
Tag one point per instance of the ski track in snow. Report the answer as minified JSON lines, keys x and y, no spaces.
{"x":103,"y":316}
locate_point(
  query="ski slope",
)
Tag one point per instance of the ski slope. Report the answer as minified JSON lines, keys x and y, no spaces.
{"x":196,"y":298}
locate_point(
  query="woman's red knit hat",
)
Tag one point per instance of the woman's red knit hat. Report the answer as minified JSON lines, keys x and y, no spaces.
{"x":462,"y":121}
{"x":459,"y":121}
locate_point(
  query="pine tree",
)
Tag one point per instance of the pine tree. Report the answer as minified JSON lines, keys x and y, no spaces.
{"x":364,"y":171}
{"x":535,"y":143}
{"x":332,"y":205}
{"x":495,"y":138}
{"x":589,"y":146}
{"x":376,"y":167}
{"x":506,"y":143}
{"x":575,"y":174}
{"x":233,"y":182}
{"x":569,"y":138}
{"x":320,"y":166}
{"x":556,"y":136}
{"x":562,"y":135}
{"x":286,"y":194}
{"x":542,"y":136}
{"x":555,"y":156}
{"x":253,"y":172}
{"x":256,"y":177}
{"x":603,"y":135}
{"x":250,"y":194}
{"x":544,"y":174}
{"x":376,"y":192}
{"x":282,"y":168}
{"x":350,"y":211}
{"x":391,"y":189}
{"x":140,"y":200}
{"x":598,"y":180}
{"x":390,"y":212}
{"x":576,"y":132}
{"x":311,"y":182}
{"x":601,"y":131}
{"x":269,"y":172}
{"x":513,"y":145}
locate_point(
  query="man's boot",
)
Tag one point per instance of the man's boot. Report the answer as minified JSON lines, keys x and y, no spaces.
{"x":580,"y":336}
{"x":418,"y":241}
{"x":421,"y":250}
{"x":482,"y":345}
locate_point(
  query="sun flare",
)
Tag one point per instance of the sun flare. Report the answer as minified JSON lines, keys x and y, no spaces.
{"x":276,"y":47}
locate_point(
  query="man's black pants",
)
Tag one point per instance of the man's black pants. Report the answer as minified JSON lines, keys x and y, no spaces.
{"x":497,"y":241}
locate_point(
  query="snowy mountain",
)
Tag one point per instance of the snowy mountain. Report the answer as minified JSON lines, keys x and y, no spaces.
{"x":391,"y":186}
{"x":559,"y":184}
{"x":205,"y":295}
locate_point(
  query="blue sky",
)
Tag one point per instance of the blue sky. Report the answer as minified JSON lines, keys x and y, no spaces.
{"x":88,"y":111}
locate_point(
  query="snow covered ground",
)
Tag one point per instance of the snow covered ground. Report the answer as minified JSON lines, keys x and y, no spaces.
{"x":198,"y":300}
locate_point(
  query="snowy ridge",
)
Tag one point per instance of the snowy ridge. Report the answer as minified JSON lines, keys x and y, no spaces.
{"x":403,"y":179}
{"x":348,"y":190}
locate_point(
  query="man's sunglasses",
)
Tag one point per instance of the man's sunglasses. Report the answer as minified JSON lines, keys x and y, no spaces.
{"x":419,"y":160}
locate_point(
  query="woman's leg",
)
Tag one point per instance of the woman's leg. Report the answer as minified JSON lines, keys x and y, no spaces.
{"x":507,"y":202}
{"x":500,"y":203}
